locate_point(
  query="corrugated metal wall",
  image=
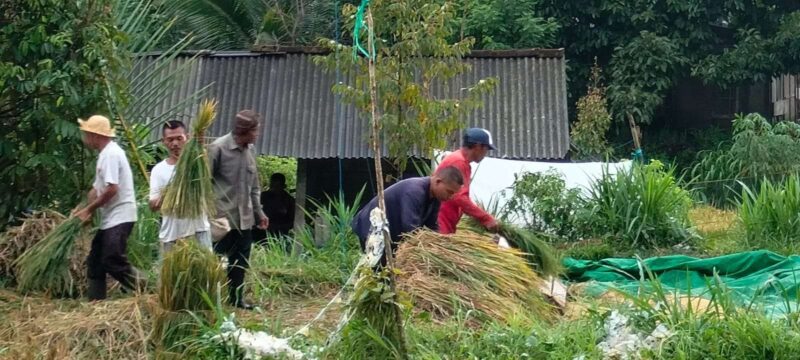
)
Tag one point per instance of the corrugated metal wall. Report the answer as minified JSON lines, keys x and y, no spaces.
{"x":527,"y":113}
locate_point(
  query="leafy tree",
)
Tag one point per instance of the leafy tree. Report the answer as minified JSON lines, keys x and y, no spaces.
{"x":241,"y":24}
{"x":647,"y":44}
{"x":55,"y":58}
{"x":504,"y":24}
{"x":413,"y":57}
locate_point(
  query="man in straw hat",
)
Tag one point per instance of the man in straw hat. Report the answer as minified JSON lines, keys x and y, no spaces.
{"x":411,"y":204}
{"x":237,"y":187}
{"x":112,"y":194}
{"x":475,"y":145}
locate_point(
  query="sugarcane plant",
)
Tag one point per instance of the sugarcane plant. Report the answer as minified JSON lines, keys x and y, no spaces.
{"x":190,"y":193}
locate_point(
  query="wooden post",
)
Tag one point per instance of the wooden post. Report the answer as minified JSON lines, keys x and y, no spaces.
{"x":376,"y":149}
{"x":635,"y":132}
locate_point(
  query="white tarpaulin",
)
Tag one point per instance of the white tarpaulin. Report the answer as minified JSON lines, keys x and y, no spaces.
{"x":492,"y":176}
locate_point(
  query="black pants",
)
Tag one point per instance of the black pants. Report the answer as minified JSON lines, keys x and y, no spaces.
{"x":108,"y":255}
{"x":236,"y":246}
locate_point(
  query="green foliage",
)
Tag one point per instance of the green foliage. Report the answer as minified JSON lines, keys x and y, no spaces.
{"x":759,"y":150}
{"x":771,"y":216}
{"x":678,"y":38}
{"x":409,"y":63}
{"x":242,"y":24}
{"x":55,"y":59}
{"x":504,"y":24}
{"x":589,"y":132}
{"x":641,"y":74}
{"x":268,"y":165}
{"x":715,"y":328}
{"x":544,"y":204}
{"x":302,"y":271}
{"x":456,"y":339}
{"x":681,"y":147}
{"x":143,"y":242}
{"x":375,"y":330}
{"x":306,"y":269}
{"x":641,"y":208}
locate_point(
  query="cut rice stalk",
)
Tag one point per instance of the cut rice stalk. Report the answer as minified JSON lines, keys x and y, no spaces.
{"x":46,"y":265}
{"x":464,"y":271}
{"x":190,"y":292}
{"x":190,"y":194}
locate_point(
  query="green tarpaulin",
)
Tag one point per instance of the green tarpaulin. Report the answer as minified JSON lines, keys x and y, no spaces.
{"x":761,"y":278}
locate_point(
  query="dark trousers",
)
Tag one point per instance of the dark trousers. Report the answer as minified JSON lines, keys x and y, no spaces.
{"x":236,"y":246}
{"x":108,"y":256}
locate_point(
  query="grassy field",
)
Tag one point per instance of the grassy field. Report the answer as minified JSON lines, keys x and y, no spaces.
{"x":290,"y":289}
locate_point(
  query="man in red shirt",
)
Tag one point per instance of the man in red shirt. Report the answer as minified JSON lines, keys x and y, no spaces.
{"x":475,"y":145}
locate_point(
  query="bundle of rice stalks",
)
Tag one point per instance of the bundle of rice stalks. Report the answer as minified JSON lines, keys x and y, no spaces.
{"x":463,"y":271}
{"x":34,"y":328}
{"x":190,"y":194}
{"x":191,"y":289}
{"x":538,"y":253}
{"x":46,"y":265}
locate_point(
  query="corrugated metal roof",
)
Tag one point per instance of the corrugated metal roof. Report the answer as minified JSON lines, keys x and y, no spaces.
{"x":527,"y":112}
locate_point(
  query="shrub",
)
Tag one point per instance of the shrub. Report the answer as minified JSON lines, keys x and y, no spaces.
{"x":544,"y":204}
{"x":759,"y":150}
{"x":771,"y":217}
{"x":589,"y":132}
{"x":641,"y":208}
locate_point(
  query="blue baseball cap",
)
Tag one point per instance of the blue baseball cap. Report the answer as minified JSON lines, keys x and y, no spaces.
{"x":479,"y":136}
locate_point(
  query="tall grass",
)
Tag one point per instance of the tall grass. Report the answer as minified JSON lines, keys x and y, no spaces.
{"x":641,"y":208}
{"x":715,"y":326}
{"x":771,"y":216}
{"x":306,"y":269}
{"x":759,"y":150}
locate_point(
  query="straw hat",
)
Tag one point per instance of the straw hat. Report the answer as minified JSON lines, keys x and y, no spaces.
{"x":97,"y":124}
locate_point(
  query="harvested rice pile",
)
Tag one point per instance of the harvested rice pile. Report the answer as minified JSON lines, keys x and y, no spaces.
{"x":18,"y":239}
{"x":464,"y":271}
{"x":35,"y":328}
{"x":192,"y":285}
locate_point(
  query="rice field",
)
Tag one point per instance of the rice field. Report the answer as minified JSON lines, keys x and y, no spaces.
{"x":482,"y":303}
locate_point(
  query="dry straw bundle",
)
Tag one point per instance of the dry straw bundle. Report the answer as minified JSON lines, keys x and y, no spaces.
{"x":190,"y":193}
{"x":49,"y":265}
{"x":17,"y":239}
{"x":463,"y":271}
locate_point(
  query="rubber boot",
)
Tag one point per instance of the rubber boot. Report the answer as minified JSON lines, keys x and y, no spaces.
{"x":97,"y":289}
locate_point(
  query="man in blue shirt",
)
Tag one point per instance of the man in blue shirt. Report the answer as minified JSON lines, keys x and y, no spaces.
{"x":411,"y":204}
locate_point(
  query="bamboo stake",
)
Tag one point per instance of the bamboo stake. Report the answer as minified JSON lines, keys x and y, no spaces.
{"x":376,"y":149}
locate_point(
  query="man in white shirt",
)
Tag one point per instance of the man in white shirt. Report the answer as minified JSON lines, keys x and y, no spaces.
{"x":113,"y":194}
{"x":174,"y":138}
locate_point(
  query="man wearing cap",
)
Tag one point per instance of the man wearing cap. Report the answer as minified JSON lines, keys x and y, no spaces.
{"x":237,"y":188}
{"x":112,"y":193}
{"x":475,"y":145}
